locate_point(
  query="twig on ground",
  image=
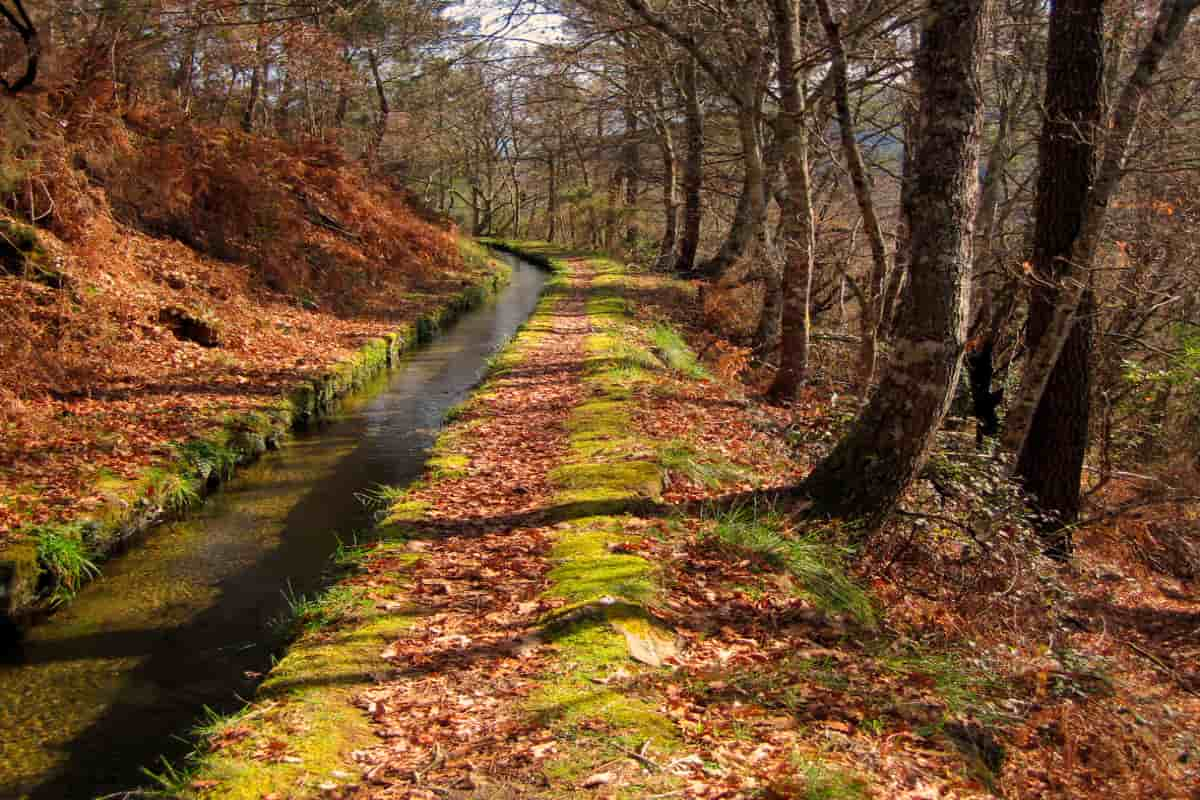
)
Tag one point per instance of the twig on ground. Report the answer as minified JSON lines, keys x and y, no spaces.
{"x":641,"y":757}
{"x":1153,"y":659}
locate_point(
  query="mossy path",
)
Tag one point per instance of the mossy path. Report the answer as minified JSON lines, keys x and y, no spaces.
{"x":587,"y":596}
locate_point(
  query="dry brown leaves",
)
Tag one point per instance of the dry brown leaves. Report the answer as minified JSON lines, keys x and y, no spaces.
{"x":451,"y":717}
{"x":99,"y":385}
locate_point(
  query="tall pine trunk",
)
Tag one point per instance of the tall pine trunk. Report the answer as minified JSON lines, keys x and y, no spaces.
{"x":631,"y":165}
{"x":750,"y":217}
{"x":874,"y":292}
{"x":1073,"y":296}
{"x":870,"y":468}
{"x":1067,"y":162}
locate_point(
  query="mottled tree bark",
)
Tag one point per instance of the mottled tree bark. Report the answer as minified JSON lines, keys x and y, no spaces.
{"x":871,"y":467}
{"x":552,"y":198}
{"x":384,"y":107}
{"x":19,"y":21}
{"x":795,"y":206}
{"x":1067,"y":153}
{"x":994,"y":299}
{"x":631,"y":167}
{"x":670,"y":192}
{"x":750,"y":217}
{"x":252,"y":99}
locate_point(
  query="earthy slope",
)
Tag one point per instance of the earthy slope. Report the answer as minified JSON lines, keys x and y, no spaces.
{"x":178,"y":275}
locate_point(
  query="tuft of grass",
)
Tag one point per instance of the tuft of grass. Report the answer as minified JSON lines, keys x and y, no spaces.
{"x":205,"y":457}
{"x":308,"y":613}
{"x":456,"y":412}
{"x":817,"y":564}
{"x":381,"y":497}
{"x":172,"y":781}
{"x":821,"y":782}
{"x":170,"y":490}
{"x":63,"y":553}
{"x":351,"y":554}
{"x":676,"y":353}
{"x":681,"y":458}
{"x":959,"y":686}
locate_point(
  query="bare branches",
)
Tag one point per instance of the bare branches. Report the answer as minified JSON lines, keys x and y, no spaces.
{"x":1172,"y":19}
{"x":20,"y":22}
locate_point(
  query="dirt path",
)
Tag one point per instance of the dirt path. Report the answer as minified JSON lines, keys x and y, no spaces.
{"x":452,"y":715}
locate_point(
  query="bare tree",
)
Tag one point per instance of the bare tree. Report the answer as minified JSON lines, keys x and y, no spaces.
{"x":1051,"y":386}
{"x":18,"y":19}
{"x":874,"y":463}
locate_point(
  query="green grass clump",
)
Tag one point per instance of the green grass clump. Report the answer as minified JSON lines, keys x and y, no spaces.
{"x":381,"y":497}
{"x":675,"y":351}
{"x":206,"y":457}
{"x":62,"y":551}
{"x":822,"y":782}
{"x":313,"y":612}
{"x":815,"y":563}
{"x":681,"y":458}
{"x":170,"y":490}
{"x":960,"y":687}
{"x":456,"y":412}
{"x":171,"y":780}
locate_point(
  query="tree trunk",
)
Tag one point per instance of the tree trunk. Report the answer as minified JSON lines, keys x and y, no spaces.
{"x":894,"y":285}
{"x":252,"y":100}
{"x":256,"y":80}
{"x":989,"y":320}
{"x":666,"y":248}
{"x":632,"y":167}
{"x":611,"y":212}
{"x":552,"y":200}
{"x":693,"y":169}
{"x":872,"y":312}
{"x":1052,"y":466}
{"x":751,"y":215}
{"x":766,"y":337}
{"x":795,"y":208}
{"x":871,"y":467}
{"x":384,"y":108}
{"x":1172,"y":19}
{"x":20,"y":22}
{"x":768,"y":334}
{"x":738,"y":238}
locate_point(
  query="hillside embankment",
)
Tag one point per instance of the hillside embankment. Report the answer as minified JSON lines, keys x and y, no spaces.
{"x":175,"y":298}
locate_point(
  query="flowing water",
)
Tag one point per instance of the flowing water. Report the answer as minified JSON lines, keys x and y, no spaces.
{"x":182,"y":621}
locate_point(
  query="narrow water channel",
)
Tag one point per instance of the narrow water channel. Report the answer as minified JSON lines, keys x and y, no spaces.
{"x":182,"y":621}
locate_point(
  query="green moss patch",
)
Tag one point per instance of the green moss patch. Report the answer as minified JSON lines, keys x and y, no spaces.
{"x":298,"y":737}
{"x":588,"y":570}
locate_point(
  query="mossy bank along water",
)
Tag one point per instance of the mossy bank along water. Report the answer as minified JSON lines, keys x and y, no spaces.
{"x":190,"y":618}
